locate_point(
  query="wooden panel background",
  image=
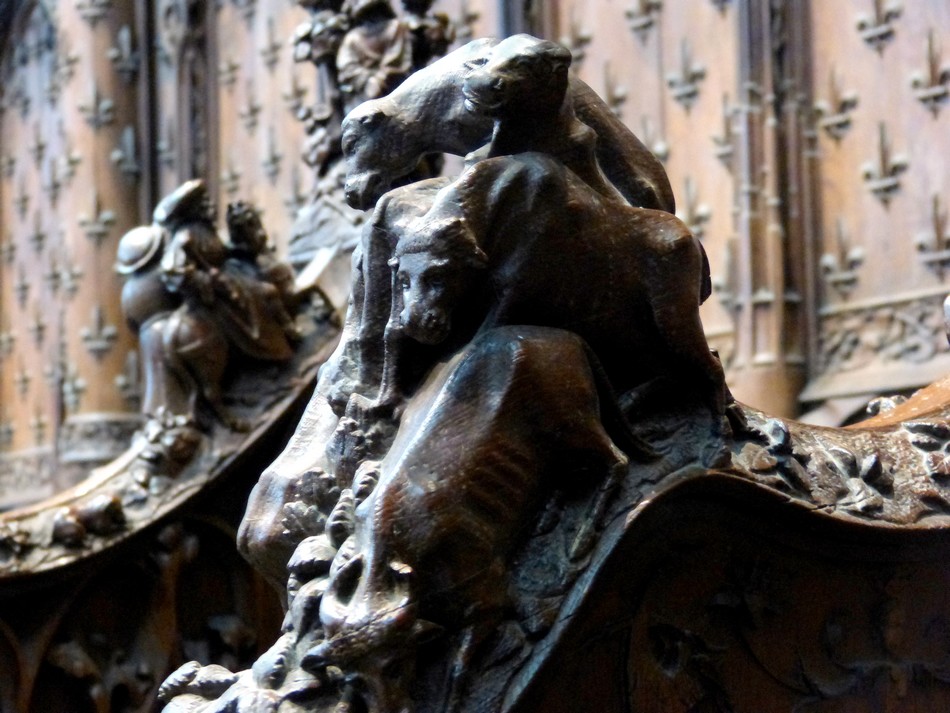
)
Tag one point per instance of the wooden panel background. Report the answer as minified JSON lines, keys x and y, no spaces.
{"x":805,"y":141}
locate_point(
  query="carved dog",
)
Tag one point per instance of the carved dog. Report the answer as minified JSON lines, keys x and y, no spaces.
{"x":384,"y":139}
{"x":514,"y":416}
{"x":521,"y":240}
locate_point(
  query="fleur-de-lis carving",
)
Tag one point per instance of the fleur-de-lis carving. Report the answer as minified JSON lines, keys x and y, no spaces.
{"x":124,"y":155}
{"x":934,"y":245}
{"x":465,"y":24}
{"x":93,"y":10}
{"x":576,"y":39}
{"x":129,"y":382}
{"x":65,"y":64}
{"x":7,"y":342}
{"x":21,"y":286}
{"x":834,"y":115}
{"x":53,"y":277}
{"x":37,"y":326}
{"x":270,"y":52}
{"x":932,"y":87}
{"x":231,"y":178}
{"x":7,"y":251}
{"x":69,"y":278}
{"x":69,"y":161}
{"x":38,"y":236}
{"x":295,"y":197}
{"x":642,"y":17}
{"x":22,"y":200}
{"x":726,"y":284}
{"x":725,"y":142}
{"x":653,"y":140}
{"x":878,"y":29}
{"x":7,"y":165}
{"x":165,"y":147}
{"x":295,"y":94}
{"x":99,"y":337}
{"x":6,"y":433}
{"x":37,"y":147}
{"x":98,"y":111}
{"x":271,"y":162}
{"x":228,"y":72}
{"x":883,"y":179}
{"x":840,"y":268}
{"x":53,"y":184}
{"x":22,"y":381}
{"x":38,"y":426}
{"x":124,"y":56}
{"x":695,"y":214}
{"x":97,"y":226}
{"x":614,"y":93}
{"x":247,"y":8}
{"x":72,"y":389}
{"x":250,"y":111}
{"x":685,"y":85}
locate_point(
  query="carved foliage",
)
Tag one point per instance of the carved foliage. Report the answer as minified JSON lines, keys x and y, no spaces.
{"x":908,"y":331}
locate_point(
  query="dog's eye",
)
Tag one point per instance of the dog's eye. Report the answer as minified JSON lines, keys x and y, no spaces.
{"x":473,"y":64}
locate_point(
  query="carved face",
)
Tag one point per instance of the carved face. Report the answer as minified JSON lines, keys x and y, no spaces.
{"x":375,"y":150}
{"x":430,"y":288}
{"x":520,"y":71}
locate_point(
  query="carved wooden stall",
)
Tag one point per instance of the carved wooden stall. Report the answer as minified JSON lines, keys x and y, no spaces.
{"x":805,"y":143}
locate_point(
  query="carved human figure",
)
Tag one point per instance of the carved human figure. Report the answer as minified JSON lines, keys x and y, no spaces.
{"x":198,"y":304}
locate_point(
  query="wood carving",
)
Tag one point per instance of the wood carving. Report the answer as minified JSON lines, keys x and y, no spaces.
{"x":228,"y":340}
{"x":476,"y":473}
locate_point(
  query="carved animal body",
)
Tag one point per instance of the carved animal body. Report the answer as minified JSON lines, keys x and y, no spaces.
{"x":509,"y":419}
{"x":521,"y":240}
{"x":384,"y":139}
